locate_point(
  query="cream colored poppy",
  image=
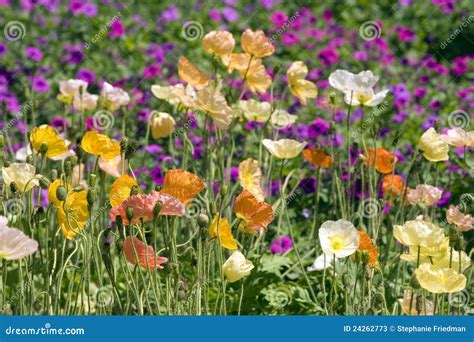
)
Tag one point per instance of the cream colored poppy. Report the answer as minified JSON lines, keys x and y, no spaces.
{"x":14,"y":244}
{"x":162,"y":125}
{"x":440,"y":280}
{"x":419,"y":233}
{"x":433,"y":147}
{"x":256,"y":78}
{"x":22,"y":174}
{"x":237,"y":267}
{"x":458,"y":137}
{"x":211,"y":101}
{"x":254,"y":110}
{"x":191,"y":74}
{"x":250,"y":177}
{"x":284,"y":148}
{"x":424,"y":193}
{"x":300,"y":87}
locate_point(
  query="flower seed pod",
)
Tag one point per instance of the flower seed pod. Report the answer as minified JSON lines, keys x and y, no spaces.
{"x":30,"y":160}
{"x":203,"y":221}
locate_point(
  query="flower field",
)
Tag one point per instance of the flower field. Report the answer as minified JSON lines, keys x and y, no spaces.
{"x":236,"y":157}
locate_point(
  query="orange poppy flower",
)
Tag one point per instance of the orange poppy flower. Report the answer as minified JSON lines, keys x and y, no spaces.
{"x":136,"y":251}
{"x":366,"y":245}
{"x":191,"y":74}
{"x":182,"y":185}
{"x":384,"y":160}
{"x":392,"y":184}
{"x":254,"y":214}
{"x":317,"y":157}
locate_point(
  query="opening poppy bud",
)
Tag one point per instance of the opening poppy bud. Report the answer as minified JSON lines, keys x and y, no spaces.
{"x":53,"y":175}
{"x":44,"y":182}
{"x":129,"y":213}
{"x":61,"y":193}
{"x":203,"y":221}
{"x":157,"y":208}
{"x":158,"y":188}
{"x":134,"y":190}
{"x":213,"y":208}
{"x":332,"y":98}
{"x":92,"y":179}
{"x":224,"y":189}
{"x":414,"y":282}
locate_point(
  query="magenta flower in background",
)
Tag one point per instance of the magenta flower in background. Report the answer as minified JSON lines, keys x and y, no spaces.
{"x":171,"y":14}
{"x":40,"y":85}
{"x":33,"y":53}
{"x":59,"y":123}
{"x":230,"y":14}
{"x":280,"y":245}
{"x":3,"y":49}
{"x":117,"y":29}
{"x":151,"y":71}
{"x":86,"y":75}
{"x":214,"y":15}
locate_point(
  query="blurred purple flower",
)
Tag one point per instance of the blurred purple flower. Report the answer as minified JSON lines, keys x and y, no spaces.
{"x":281,"y":245}
{"x":33,"y":53}
{"x":117,"y":29}
{"x":86,"y":75}
{"x":171,"y":13}
{"x":230,"y":14}
{"x":40,"y":85}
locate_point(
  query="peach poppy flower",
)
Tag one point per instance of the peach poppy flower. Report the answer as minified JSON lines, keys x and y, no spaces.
{"x":462,"y":221}
{"x":392,"y":184}
{"x":256,"y":44}
{"x":191,"y":74}
{"x":458,"y":137}
{"x":113,"y":166}
{"x":317,"y":157}
{"x":225,"y":233}
{"x":240,"y":62}
{"x":136,"y":251}
{"x":211,"y":101}
{"x":218,"y":42}
{"x":424,"y":193}
{"x":120,"y":189}
{"x":254,"y":214}
{"x":182,"y":185}
{"x":256,"y":78}
{"x":250,"y":177}
{"x":384,"y":160}
{"x":301,"y":88}
{"x":100,"y":145}
{"x":366,"y":245}
{"x":143,"y":207}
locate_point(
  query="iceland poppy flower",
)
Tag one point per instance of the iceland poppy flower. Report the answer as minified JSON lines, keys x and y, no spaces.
{"x":250,"y":177}
{"x":301,"y":88}
{"x":136,"y":251}
{"x":120,"y":189}
{"x":182,"y":185}
{"x":100,"y":145}
{"x":255,"y":215}
{"x":237,"y":267}
{"x":384,"y":160}
{"x":256,"y":44}
{"x":14,"y":244}
{"x":339,"y":238}
{"x":46,"y":136}
{"x":73,"y":214}
{"x":220,"y":227}
{"x":317,"y":157}
{"x":393,"y":185}
{"x":191,"y":74}
{"x":367,"y":246}
{"x":220,"y":43}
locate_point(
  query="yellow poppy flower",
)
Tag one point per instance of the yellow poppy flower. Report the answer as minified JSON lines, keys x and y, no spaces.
{"x":256,"y":44}
{"x":46,"y":135}
{"x":432,"y":145}
{"x":284,"y":148}
{"x":250,"y":177}
{"x":120,"y":189}
{"x":225,"y":233}
{"x":73,"y":215}
{"x":212,"y":101}
{"x":256,"y":78}
{"x":52,"y":189}
{"x":440,"y":280}
{"x":300,"y":87}
{"x":218,"y":42}
{"x":100,"y":145}
{"x":191,"y":74}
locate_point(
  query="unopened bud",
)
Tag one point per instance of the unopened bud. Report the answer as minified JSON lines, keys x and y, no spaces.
{"x":61,"y":193}
{"x":129,"y":213}
{"x":203,"y":220}
{"x":134,"y":190}
{"x":43,"y":149}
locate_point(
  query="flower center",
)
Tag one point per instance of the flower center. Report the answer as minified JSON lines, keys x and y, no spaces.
{"x":337,"y":243}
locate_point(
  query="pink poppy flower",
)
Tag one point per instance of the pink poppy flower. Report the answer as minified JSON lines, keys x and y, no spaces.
{"x":462,"y":221}
{"x":426,"y":194}
{"x":143,"y":206}
{"x":137,"y":251}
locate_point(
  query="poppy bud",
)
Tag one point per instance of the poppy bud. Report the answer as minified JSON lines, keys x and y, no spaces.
{"x":13,"y":188}
{"x":213,"y":208}
{"x":158,"y":187}
{"x":43,"y":149}
{"x":123,"y":144}
{"x":414,"y":282}
{"x":332,"y":98}
{"x":92,"y":180}
{"x":224,"y":189}
{"x":203,"y":221}
{"x":61,"y":193}
{"x":2,"y":141}
{"x":132,"y":147}
{"x":30,"y":160}
{"x":134,"y":190}
{"x":67,"y":168}
{"x":129,"y":213}
{"x":90,"y":198}
{"x":276,"y":70}
{"x":44,"y":182}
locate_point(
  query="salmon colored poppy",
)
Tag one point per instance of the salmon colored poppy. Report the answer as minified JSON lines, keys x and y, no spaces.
{"x":384,"y":160}
{"x":392,"y":184}
{"x":182,"y":185}
{"x":120,"y":189}
{"x":224,"y":232}
{"x":191,"y":74}
{"x":142,"y":207}
{"x":254,"y":214}
{"x":366,"y":245}
{"x":136,"y":251}
{"x":317,"y":157}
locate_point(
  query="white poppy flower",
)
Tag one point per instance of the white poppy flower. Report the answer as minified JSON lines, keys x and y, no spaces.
{"x":320,"y":263}
{"x":115,"y":97}
{"x":71,"y":87}
{"x":14,"y":244}
{"x":339,"y":238}
{"x":22,"y":174}
{"x":284,"y":148}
